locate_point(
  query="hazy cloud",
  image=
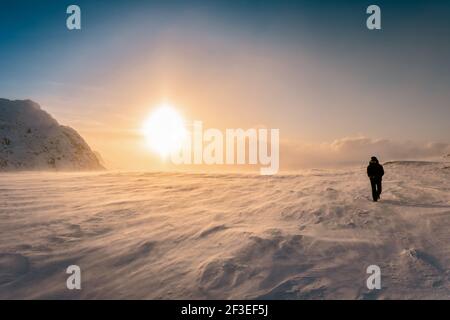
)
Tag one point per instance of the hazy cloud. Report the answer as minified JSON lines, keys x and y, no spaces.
{"x":354,"y":150}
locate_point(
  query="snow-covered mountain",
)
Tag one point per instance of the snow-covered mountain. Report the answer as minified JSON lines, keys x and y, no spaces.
{"x":30,"y":139}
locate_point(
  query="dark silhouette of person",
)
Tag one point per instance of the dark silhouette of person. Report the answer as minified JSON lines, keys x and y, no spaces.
{"x":375,"y":172}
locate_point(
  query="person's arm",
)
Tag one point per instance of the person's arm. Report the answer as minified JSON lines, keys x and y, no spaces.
{"x":382,"y":170}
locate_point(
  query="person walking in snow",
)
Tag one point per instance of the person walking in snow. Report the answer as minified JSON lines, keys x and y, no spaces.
{"x":375,"y":172}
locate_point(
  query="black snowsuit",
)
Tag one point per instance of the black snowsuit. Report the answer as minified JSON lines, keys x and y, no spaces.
{"x":375,"y":172}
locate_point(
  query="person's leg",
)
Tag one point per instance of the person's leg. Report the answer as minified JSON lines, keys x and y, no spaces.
{"x":374,"y":189}
{"x":379,"y":188}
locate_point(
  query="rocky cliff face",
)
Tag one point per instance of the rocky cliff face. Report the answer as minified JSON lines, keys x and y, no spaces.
{"x":30,"y":139}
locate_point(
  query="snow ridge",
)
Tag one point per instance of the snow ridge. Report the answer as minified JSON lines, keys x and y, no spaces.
{"x":31,"y":139}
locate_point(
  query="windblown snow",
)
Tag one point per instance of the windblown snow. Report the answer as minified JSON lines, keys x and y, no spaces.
{"x":309,"y":235}
{"x":30,"y":139}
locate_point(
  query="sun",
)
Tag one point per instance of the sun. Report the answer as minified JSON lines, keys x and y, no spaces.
{"x":164,"y":130}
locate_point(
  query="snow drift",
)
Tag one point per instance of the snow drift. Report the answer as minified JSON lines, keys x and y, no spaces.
{"x":309,"y":235}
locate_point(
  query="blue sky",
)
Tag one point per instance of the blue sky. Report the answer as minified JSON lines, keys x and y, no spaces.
{"x":311,"y":69}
